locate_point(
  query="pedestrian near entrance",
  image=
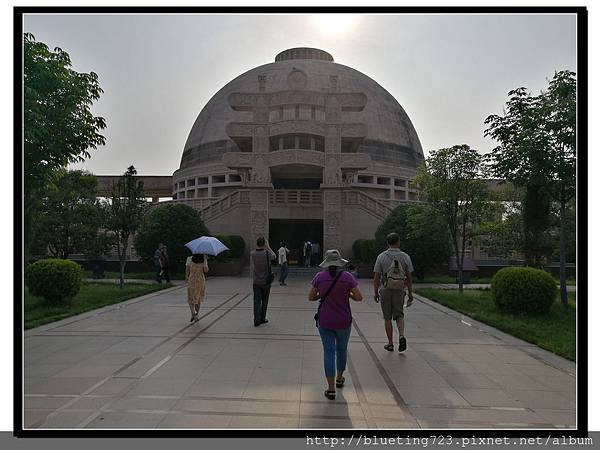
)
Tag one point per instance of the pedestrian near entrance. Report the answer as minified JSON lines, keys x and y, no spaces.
{"x":307,"y":252}
{"x":195,"y":268}
{"x":262,"y":277}
{"x":333,"y":288}
{"x":282,"y":254}
{"x":393,"y":270}
{"x":164,"y":262}
{"x":158,"y":263}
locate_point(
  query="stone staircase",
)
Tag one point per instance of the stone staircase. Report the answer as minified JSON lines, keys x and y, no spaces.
{"x":373,"y":206}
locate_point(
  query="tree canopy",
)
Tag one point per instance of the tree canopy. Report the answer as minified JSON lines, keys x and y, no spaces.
{"x":173,"y":225}
{"x":59,"y":127}
{"x":450,"y":179}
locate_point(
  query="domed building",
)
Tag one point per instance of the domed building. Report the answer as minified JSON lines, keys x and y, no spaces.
{"x":301,"y":148}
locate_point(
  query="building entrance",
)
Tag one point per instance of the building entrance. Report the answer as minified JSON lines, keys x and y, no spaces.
{"x":294,"y":233}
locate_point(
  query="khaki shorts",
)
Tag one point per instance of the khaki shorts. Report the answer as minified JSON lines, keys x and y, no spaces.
{"x":392,"y":303}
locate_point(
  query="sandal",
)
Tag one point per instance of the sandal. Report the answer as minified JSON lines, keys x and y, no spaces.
{"x":389,"y":347}
{"x":330,"y":394}
{"x":340,"y":383}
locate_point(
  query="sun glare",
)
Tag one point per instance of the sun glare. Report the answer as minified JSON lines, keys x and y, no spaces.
{"x":335,"y":23}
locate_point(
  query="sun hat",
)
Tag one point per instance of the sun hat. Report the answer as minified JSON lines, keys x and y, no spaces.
{"x":333,"y":258}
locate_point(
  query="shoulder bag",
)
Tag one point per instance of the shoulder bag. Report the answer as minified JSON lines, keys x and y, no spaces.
{"x":324,"y":297}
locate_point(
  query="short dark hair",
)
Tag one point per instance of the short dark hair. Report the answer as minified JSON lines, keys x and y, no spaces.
{"x":393,"y":239}
{"x":197,"y":258}
{"x":260,"y":241}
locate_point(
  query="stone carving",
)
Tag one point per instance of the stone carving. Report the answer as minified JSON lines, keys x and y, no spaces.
{"x":259,"y":222}
{"x":332,"y":221}
{"x":262,"y":80}
{"x":297,"y":126}
{"x":333,"y":81}
{"x":297,"y":79}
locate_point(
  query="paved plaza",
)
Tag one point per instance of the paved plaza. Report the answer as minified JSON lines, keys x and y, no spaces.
{"x":141,"y":364}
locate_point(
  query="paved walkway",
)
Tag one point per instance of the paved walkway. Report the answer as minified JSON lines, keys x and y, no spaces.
{"x":140,"y":364}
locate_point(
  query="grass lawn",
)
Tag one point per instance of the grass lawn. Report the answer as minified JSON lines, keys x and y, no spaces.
{"x":91,"y":296}
{"x":554,"y":332}
{"x":446,"y":279}
{"x":134,"y":275}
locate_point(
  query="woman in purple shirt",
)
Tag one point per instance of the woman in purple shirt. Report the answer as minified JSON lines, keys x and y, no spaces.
{"x":333,"y":288}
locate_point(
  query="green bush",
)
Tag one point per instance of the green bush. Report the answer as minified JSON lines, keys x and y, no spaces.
{"x":238,"y":246}
{"x":55,"y":280}
{"x":364,"y":250}
{"x":523,"y":290}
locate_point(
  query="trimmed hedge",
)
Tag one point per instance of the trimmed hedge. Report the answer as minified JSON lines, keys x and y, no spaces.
{"x":238,"y":246}
{"x":225,"y":239}
{"x":523,"y":290}
{"x":364,"y":250}
{"x":55,"y":280}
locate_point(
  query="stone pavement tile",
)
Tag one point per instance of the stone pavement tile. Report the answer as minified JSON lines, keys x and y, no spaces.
{"x":43,"y":370}
{"x":391,"y":412}
{"x":476,"y":415}
{"x":422,"y":379}
{"x":263,"y":422}
{"x":66,"y":419}
{"x":543,"y":399}
{"x":378,"y":394}
{"x":452,"y":367}
{"x":549,"y":377}
{"x":334,"y":409}
{"x":497,"y":368}
{"x":119,"y":419}
{"x":432,"y":396}
{"x":439,"y":355}
{"x":181,"y":366}
{"x":489,"y":397}
{"x":86,"y":370}
{"x":512,"y":355}
{"x":89,"y":403}
{"x":314,"y":393}
{"x":50,"y":403}
{"x":279,"y":363}
{"x":277,"y":408}
{"x":226,"y":374}
{"x":213,"y":388}
{"x":55,"y":385}
{"x":195,"y":421}
{"x":161,"y":386}
{"x":470,"y":380}
{"x":33,"y":416}
{"x":520,"y":381}
{"x":557,"y":417}
{"x":113,"y":387}
{"x":144,"y":403}
{"x":307,"y":422}
{"x":261,"y":375}
{"x":289,"y":390}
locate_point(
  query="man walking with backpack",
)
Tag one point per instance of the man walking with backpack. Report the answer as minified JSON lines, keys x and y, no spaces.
{"x":393,"y":270}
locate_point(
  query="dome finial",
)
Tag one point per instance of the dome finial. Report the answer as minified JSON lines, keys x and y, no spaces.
{"x":303,"y":53}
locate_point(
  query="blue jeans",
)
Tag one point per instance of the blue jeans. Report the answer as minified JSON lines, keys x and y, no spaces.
{"x":283,"y":272}
{"x":335,"y":349}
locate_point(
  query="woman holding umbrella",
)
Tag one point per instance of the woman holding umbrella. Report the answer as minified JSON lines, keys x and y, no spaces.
{"x":195,"y":268}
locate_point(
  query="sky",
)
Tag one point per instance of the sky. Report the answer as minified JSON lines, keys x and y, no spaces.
{"x":449,"y":72}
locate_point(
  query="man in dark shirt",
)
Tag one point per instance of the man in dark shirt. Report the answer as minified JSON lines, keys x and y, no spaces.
{"x":261,"y":268}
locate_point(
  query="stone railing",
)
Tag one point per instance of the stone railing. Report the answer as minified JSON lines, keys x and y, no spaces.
{"x":295,"y":197}
{"x":224,"y":204}
{"x":372,"y":205}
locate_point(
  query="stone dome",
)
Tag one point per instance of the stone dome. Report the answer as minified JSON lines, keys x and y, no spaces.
{"x":390,"y":136}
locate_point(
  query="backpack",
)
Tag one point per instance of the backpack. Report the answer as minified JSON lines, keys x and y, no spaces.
{"x":393,"y":279}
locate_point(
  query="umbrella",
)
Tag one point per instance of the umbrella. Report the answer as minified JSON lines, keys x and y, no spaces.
{"x":206,"y":245}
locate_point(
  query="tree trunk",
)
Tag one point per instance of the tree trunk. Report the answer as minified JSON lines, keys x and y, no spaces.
{"x":563,"y":270}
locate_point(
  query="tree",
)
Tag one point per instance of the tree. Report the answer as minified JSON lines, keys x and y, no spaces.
{"x":125,"y":213}
{"x":537,"y":136}
{"x":451,"y":181}
{"x":423,"y":235}
{"x":173,"y":225}
{"x":68,"y":215}
{"x":59,"y":127}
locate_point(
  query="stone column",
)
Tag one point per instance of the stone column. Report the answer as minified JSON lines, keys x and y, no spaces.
{"x":332,"y":218}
